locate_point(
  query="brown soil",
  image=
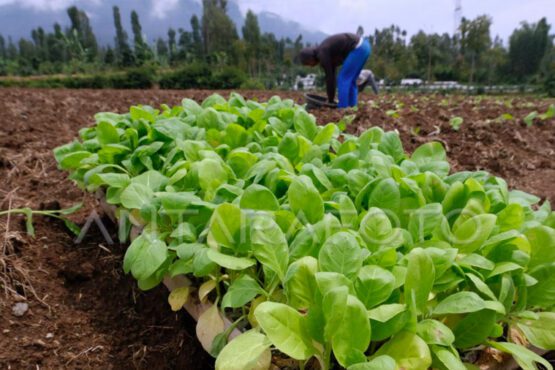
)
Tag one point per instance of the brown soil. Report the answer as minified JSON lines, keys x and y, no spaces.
{"x":85,"y":313}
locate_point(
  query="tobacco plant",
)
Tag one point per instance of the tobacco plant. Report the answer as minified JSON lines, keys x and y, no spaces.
{"x":320,"y":244}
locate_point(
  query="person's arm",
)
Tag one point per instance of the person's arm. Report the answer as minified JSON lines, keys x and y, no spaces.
{"x":329,"y":70}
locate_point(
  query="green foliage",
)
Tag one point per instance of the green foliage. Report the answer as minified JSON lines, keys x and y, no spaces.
{"x":191,"y":76}
{"x":327,"y":245}
{"x":456,"y":123}
{"x":228,"y":78}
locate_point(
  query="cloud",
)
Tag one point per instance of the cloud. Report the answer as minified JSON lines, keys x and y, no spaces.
{"x":160,"y":8}
{"x":47,"y":5}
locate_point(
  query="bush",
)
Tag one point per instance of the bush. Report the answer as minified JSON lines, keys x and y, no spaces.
{"x":252,"y":84}
{"x":228,"y":78}
{"x":81,"y":82}
{"x":188,"y":77}
{"x":549,"y":82}
{"x":136,"y":78}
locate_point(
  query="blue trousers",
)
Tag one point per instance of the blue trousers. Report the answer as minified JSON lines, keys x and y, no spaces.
{"x":347,"y":79}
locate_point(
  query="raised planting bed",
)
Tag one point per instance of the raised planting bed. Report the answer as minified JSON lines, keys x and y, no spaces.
{"x":287,"y":238}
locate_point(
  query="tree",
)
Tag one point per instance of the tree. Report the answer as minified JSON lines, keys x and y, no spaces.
{"x":27,"y":59}
{"x":171,"y":45}
{"x":197,"y":37}
{"x":142,"y":51}
{"x":57,"y":46}
{"x":109,"y":56}
{"x":391,"y":58}
{"x":124,"y":56}
{"x":3,"y":52}
{"x":434,"y":55}
{"x":251,"y":36}
{"x":184,"y":44}
{"x":218,"y":30}
{"x":11,"y":50}
{"x":528,"y":45}
{"x":82,"y":33}
{"x":161,"y":49}
{"x":475,"y":40}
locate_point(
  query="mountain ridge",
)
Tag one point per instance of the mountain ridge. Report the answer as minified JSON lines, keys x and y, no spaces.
{"x":12,"y":16}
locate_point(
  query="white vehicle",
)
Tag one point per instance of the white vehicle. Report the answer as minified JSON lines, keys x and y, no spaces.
{"x":411,"y":82}
{"x":305,"y":83}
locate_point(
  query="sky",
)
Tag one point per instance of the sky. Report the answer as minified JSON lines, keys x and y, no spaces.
{"x":332,"y":16}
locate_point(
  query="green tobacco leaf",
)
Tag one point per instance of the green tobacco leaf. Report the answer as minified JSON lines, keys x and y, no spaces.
{"x":304,"y":199}
{"x":329,"y":280}
{"x":530,"y":117}
{"x":431,"y":157}
{"x":542,"y":294}
{"x":305,"y":124}
{"x":241,"y":292}
{"x":211,"y":175}
{"x":462,"y":302}
{"x":144,"y":256}
{"x":512,"y":217}
{"x":472,"y":233}
{"x":244,"y":352}
{"x":106,"y":133}
{"x":341,"y":253}
{"x":423,"y":221}
{"x":420,"y":278}
{"x":434,"y":332}
{"x":376,"y":230}
{"x":542,"y":243}
{"x":456,"y":123}
{"x":391,"y":145}
{"x":474,"y":328}
{"x":352,"y":337}
{"x":286,"y":329}
{"x":115,"y":180}
{"x":386,"y":312}
{"x":269,"y":245}
{"x":386,"y":196}
{"x":73,"y":160}
{"x":374,"y":285}
{"x":408,"y":350}
{"x":300,"y":282}
{"x":153,"y":180}
{"x":347,"y":212}
{"x":377,"y":363}
{"x":333,"y":307}
{"x":523,"y":356}
{"x":229,"y":262}
{"x":541,"y":331}
{"x":448,"y":359}
{"x":225,"y":225}
{"x":481,"y":286}
{"x":260,"y":198}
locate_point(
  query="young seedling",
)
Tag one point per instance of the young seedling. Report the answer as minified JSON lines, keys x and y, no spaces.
{"x":456,"y":123}
{"x":59,"y":214}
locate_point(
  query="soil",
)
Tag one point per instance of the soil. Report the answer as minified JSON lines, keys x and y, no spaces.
{"x":85,"y":313}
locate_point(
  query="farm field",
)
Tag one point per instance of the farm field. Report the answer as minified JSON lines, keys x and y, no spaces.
{"x":85,"y":313}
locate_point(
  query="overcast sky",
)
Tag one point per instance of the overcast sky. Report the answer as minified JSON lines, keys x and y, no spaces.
{"x":333,"y":16}
{"x":431,"y":15}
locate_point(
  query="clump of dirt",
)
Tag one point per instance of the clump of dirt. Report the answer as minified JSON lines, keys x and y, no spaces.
{"x":83,"y":312}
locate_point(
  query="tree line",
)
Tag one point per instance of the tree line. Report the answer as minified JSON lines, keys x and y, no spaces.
{"x":471,"y":55}
{"x":214,"y":42}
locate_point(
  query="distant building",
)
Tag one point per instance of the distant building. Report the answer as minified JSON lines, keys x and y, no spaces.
{"x":305,"y":83}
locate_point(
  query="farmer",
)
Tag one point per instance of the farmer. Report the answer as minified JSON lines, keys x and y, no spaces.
{"x":345,"y":49}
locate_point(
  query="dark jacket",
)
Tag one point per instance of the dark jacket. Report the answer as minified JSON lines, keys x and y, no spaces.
{"x":331,"y":53}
